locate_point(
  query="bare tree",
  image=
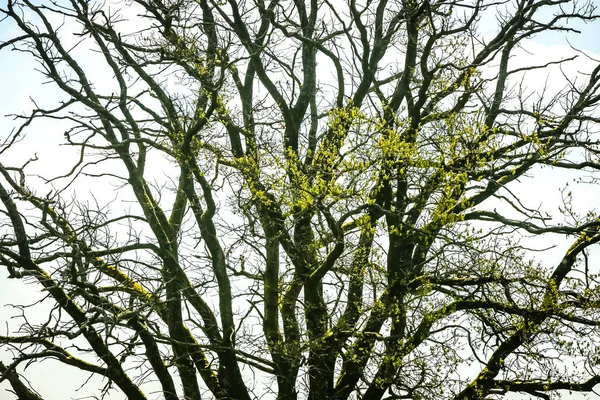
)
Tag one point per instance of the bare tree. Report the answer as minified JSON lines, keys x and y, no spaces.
{"x":327,"y":225}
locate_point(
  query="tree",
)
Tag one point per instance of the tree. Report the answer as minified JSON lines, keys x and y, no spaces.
{"x":335,"y":218}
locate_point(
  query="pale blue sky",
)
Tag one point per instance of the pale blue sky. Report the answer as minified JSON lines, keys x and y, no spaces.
{"x":589,"y":39}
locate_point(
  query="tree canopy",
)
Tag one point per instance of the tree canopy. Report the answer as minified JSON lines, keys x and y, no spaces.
{"x":299,"y":200}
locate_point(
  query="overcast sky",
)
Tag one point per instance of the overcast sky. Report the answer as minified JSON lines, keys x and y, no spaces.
{"x":19,"y":81}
